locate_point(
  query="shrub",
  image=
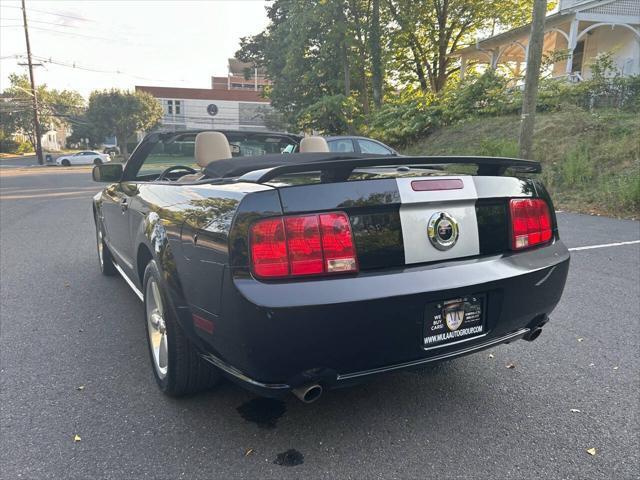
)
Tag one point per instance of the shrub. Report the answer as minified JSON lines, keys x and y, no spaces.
{"x":24,"y":147}
{"x":335,"y":114}
{"x":413,"y":115}
{"x":405,"y":121}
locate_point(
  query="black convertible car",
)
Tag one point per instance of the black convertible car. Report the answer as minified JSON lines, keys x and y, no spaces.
{"x":313,"y":270}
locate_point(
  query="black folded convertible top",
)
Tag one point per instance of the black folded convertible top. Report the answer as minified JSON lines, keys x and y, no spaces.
{"x":266,"y":167}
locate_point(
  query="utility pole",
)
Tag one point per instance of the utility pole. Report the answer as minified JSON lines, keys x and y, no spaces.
{"x":532,"y":76}
{"x":34,"y":98}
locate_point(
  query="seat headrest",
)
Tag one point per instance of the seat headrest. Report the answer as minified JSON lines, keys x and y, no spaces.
{"x":211,"y":146}
{"x":313,"y":145}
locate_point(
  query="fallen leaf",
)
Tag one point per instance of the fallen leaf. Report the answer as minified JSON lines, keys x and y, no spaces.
{"x":510,"y":365}
{"x":615,"y":368}
{"x":591,"y":451}
{"x":580,"y":339}
{"x":66,"y":285}
{"x":491,"y":355}
{"x":76,"y":438}
{"x":575,"y":410}
{"x":248,"y":452}
{"x":81,"y":330}
{"x":80,"y":388}
{"x":592,"y":364}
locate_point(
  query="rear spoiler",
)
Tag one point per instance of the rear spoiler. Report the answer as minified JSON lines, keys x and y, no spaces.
{"x":341,"y":169}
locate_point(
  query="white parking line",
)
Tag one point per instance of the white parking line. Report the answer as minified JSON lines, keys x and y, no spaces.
{"x":604,"y":245}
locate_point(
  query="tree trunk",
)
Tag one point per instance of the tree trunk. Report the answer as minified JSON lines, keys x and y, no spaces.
{"x":532,"y":76}
{"x":376,"y":56}
{"x":122,"y":140}
{"x":347,"y":72}
{"x":424,"y":86}
{"x":365,"y":92}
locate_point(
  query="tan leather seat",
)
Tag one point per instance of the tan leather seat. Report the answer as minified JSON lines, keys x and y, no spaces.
{"x":313,"y":145}
{"x":209,"y":147}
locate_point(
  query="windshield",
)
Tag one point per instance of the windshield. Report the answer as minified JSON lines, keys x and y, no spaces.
{"x":179,"y":150}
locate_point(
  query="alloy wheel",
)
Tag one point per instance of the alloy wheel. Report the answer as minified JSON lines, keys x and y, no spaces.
{"x":157,"y":328}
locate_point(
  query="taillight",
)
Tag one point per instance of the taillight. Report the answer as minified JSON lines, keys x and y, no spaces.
{"x":302,"y":245}
{"x":530,"y":222}
{"x":269,"y":248}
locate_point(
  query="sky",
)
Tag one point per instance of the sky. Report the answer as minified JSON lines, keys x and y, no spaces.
{"x":112,"y":43}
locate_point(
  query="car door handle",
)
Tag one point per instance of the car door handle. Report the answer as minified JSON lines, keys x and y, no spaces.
{"x":124,"y":205}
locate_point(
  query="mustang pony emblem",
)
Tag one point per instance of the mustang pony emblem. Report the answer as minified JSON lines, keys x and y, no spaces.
{"x":443,"y":231}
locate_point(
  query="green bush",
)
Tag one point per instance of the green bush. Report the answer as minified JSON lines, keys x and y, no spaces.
{"x":413,"y":115}
{"x":24,"y":147}
{"x":331,"y":115}
{"x":8,"y":144}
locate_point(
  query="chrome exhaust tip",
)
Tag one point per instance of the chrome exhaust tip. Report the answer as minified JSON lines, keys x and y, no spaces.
{"x":308,"y":393}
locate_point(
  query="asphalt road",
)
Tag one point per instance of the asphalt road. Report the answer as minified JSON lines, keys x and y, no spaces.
{"x":21,"y":161}
{"x":63,"y":326}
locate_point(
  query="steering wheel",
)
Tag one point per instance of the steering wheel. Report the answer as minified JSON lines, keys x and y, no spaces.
{"x":174,"y":168}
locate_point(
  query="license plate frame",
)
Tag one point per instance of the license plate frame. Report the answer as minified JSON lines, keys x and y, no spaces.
{"x":454,"y":320}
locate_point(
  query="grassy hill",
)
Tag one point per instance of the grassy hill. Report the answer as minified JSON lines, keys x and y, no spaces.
{"x":591,"y":161}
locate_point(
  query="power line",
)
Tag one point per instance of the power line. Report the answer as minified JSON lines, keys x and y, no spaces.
{"x":57,"y":24}
{"x":95,"y":69}
{"x":75,"y":34}
{"x":52,"y":13}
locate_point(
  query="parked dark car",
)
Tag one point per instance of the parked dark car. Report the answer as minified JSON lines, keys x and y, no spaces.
{"x":308,"y":271}
{"x":344,"y":144}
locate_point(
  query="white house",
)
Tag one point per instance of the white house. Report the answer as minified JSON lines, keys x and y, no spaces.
{"x":579,"y":29}
{"x":53,"y":139}
{"x":194,"y":108}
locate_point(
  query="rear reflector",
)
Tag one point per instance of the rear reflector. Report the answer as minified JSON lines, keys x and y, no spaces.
{"x":302,"y":245}
{"x":203,"y":324}
{"x":530,"y":223}
{"x":437,"y":184}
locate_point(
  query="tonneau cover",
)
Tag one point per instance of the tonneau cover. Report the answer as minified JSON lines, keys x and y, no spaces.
{"x":234,"y":167}
{"x":265,"y":167}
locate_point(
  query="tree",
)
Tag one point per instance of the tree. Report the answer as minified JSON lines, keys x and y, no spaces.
{"x":123,"y":113}
{"x":428,"y":32}
{"x":363,"y":48}
{"x":315,"y":49}
{"x":530,"y":97}
{"x":55,"y":107}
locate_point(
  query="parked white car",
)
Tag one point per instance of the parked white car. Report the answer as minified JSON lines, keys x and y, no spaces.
{"x":86,"y":157}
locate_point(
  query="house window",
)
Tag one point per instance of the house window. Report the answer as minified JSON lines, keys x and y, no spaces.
{"x":174,"y":106}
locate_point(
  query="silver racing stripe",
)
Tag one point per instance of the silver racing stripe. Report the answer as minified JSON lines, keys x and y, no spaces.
{"x":419,"y":206}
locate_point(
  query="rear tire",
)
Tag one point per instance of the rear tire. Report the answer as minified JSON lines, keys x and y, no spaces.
{"x":177,"y":366}
{"x":66,"y":163}
{"x":105,"y":259}
{"x":97,"y":161}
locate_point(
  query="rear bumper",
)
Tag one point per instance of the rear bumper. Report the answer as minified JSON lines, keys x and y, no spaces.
{"x":274,"y":337}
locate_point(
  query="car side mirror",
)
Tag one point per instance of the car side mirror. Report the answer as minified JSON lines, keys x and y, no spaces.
{"x":107,"y":173}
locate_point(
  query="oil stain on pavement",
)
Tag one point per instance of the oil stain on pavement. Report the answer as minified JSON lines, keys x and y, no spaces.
{"x":290,"y":458}
{"x":264,"y":412}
